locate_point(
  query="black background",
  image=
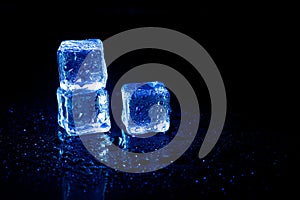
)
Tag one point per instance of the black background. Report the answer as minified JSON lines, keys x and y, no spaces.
{"x":246,"y":41}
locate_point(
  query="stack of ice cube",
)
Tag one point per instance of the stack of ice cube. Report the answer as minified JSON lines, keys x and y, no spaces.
{"x":83,"y":103}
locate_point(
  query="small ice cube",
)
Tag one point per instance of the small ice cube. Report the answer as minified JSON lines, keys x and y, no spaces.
{"x":146,"y":107}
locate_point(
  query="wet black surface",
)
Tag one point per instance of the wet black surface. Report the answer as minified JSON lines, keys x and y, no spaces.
{"x":37,"y":163}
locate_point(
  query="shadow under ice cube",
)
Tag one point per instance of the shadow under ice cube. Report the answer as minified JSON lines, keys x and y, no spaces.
{"x":83,"y":111}
{"x":146,"y":107}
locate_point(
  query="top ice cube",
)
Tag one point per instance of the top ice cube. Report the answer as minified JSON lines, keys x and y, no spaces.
{"x":81,"y":64}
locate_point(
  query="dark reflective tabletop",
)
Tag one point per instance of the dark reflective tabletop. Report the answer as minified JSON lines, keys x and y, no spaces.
{"x":39,"y":161}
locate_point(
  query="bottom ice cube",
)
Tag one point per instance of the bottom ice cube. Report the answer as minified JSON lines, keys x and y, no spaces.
{"x":146,"y":107}
{"x":83,"y":111}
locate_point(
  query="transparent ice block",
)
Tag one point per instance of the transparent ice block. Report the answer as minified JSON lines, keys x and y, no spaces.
{"x":81,"y":64}
{"x":83,"y":111}
{"x":146,"y":107}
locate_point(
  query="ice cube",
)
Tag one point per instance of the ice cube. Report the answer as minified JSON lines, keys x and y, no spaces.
{"x":146,"y":107}
{"x":83,"y":111}
{"x":81,"y":64}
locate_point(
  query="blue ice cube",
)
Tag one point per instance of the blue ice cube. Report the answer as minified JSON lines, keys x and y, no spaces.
{"x":83,"y":111}
{"x":146,"y":107}
{"x":81,"y":64}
